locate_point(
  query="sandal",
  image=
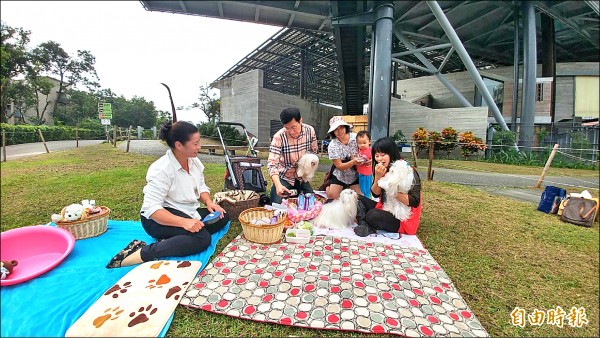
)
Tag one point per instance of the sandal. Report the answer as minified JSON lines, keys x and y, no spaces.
{"x":132,"y":247}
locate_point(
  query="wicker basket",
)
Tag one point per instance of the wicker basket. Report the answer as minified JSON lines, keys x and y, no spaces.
{"x":92,"y":226}
{"x":234,"y":209}
{"x":263,"y":234}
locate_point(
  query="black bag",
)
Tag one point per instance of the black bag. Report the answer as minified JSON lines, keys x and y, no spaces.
{"x":327,"y":180}
{"x":580,"y":211}
{"x":329,"y":175}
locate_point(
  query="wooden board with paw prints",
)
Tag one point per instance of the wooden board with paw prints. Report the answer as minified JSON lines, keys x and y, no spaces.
{"x":140,"y":303}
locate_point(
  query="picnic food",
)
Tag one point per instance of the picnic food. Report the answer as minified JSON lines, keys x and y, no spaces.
{"x":305,"y":225}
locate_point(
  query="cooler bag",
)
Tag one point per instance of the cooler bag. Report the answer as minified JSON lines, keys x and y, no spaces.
{"x":548,"y":196}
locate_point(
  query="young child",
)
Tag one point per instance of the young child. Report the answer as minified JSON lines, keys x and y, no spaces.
{"x":365,"y":170}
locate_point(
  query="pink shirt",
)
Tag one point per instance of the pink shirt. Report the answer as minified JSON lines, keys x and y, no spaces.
{"x":367,"y":167}
{"x":285,"y":151}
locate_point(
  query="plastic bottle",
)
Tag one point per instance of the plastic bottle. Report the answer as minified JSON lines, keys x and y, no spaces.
{"x":310,"y":201}
{"x":301,"y":202}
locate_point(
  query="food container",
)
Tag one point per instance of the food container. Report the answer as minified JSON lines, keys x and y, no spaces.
{"x":299,"y":236}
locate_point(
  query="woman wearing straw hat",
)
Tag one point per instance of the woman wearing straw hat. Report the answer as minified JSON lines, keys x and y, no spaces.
{"x":344,"y":153}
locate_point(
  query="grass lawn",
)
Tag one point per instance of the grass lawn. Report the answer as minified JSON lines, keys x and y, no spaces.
{"x":499,"y":253}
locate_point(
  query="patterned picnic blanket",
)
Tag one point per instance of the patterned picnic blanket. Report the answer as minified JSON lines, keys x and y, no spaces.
{"x":334,"y":283}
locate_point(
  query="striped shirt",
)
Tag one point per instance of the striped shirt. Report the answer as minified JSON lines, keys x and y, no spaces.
{"x":285,"y":151}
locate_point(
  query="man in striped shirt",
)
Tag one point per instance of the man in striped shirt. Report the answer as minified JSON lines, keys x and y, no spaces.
{"x":288,"y":145}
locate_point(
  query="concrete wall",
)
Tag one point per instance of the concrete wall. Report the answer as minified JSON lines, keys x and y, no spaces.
{"x":412,"y":89}
{"x":244,"y":100}
{"x":565,"y":98}
{"x":239,"y":99}
{"x":408,"y":117}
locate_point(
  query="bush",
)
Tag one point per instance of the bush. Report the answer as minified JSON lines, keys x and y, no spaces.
{"x":470,"y":144}
{"x":231,"y":135}
{"x":449,"y":140}
{"x":436,"y":138}
{"x":421,"y":139}
{"x":399,"y":137}
{"x":18,"y":134}
{"x":504,"y":139}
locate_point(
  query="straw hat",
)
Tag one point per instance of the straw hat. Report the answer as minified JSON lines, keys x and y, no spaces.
{"x":335,"y":122}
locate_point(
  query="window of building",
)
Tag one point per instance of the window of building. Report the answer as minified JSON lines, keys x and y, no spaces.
{"x":539,"y":92}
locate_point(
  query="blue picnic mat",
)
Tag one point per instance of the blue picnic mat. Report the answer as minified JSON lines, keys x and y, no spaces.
{"x":46,"y":306}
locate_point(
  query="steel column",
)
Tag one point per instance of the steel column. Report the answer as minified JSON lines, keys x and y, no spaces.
{"x":434,"y":70}
{"x":462,"y":52}
{"x":379,"y":119}
{"x":529,"y":75}
{"x":515,"y":93}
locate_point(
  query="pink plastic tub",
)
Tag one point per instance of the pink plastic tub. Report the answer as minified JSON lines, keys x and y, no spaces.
{"x":37,"y":248}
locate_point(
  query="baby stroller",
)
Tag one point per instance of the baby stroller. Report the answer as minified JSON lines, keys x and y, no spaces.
{"x":244,"y":172}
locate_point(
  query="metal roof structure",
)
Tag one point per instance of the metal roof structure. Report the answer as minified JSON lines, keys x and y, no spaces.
{"x":337,"y":58}
{"x":282,"y":57}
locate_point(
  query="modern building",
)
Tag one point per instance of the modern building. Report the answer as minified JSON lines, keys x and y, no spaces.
{"x":17,"y":113}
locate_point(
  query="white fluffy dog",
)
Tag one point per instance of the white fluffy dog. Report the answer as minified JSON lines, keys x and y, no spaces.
{"x":399,"y":178}
{"x":339,"y":214}
{"x":307,"y":166}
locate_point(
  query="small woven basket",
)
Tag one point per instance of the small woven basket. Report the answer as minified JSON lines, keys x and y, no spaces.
{"x":92,"y":226}
{"x":234,"y":209}
{"x":263,"y":234}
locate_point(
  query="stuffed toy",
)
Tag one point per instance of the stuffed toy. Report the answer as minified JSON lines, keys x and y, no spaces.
{"x":7,"y":268}
{"x":90,"y":206}
{"x":71,"y":213}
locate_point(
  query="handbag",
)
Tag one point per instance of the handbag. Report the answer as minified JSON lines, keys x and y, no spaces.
{"x":327,"y":180}
{"x":580,"y":211}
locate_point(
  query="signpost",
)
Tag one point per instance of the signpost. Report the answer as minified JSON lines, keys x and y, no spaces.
{"x":105,"y":114}
{"x":104,"y":110}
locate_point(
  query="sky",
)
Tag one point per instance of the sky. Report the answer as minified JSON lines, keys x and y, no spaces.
{"x":136,"y":49}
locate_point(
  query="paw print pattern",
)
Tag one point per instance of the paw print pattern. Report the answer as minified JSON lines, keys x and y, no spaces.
{"x":116,"y":289}
{"x":174,"y":290}
{"x":112,"y":316}
{"x":158,"y":283}
{"x":158,"y":264}
{"x":184,"y":264}
{"x":140,"y":316}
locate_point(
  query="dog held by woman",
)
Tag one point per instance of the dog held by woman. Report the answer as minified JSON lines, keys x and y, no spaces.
{"x":340,"y":213}
{"x":398,"y":179}
{"x":307,"y":166}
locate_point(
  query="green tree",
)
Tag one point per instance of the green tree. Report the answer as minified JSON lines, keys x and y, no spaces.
{"x":162,"y":117}
{"x":80,"y":105}
{"x":13,"y":62}
{"x":70,"y":71}
{"x":209,"y":103}
{"x":134,"y":112}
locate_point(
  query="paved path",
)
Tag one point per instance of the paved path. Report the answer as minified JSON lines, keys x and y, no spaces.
{"x":519,"y":187}
{"x":30,"y":149}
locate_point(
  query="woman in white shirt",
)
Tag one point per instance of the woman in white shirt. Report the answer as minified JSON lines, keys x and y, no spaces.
{"x":171,"y":210}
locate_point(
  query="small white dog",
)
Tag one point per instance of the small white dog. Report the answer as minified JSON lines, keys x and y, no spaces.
{"x":339,"y":214}
{"x":307,"y":166}
{"x":398,"y":179}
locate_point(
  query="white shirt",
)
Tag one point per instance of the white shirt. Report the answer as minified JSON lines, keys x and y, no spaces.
{"x":169,"y":185}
